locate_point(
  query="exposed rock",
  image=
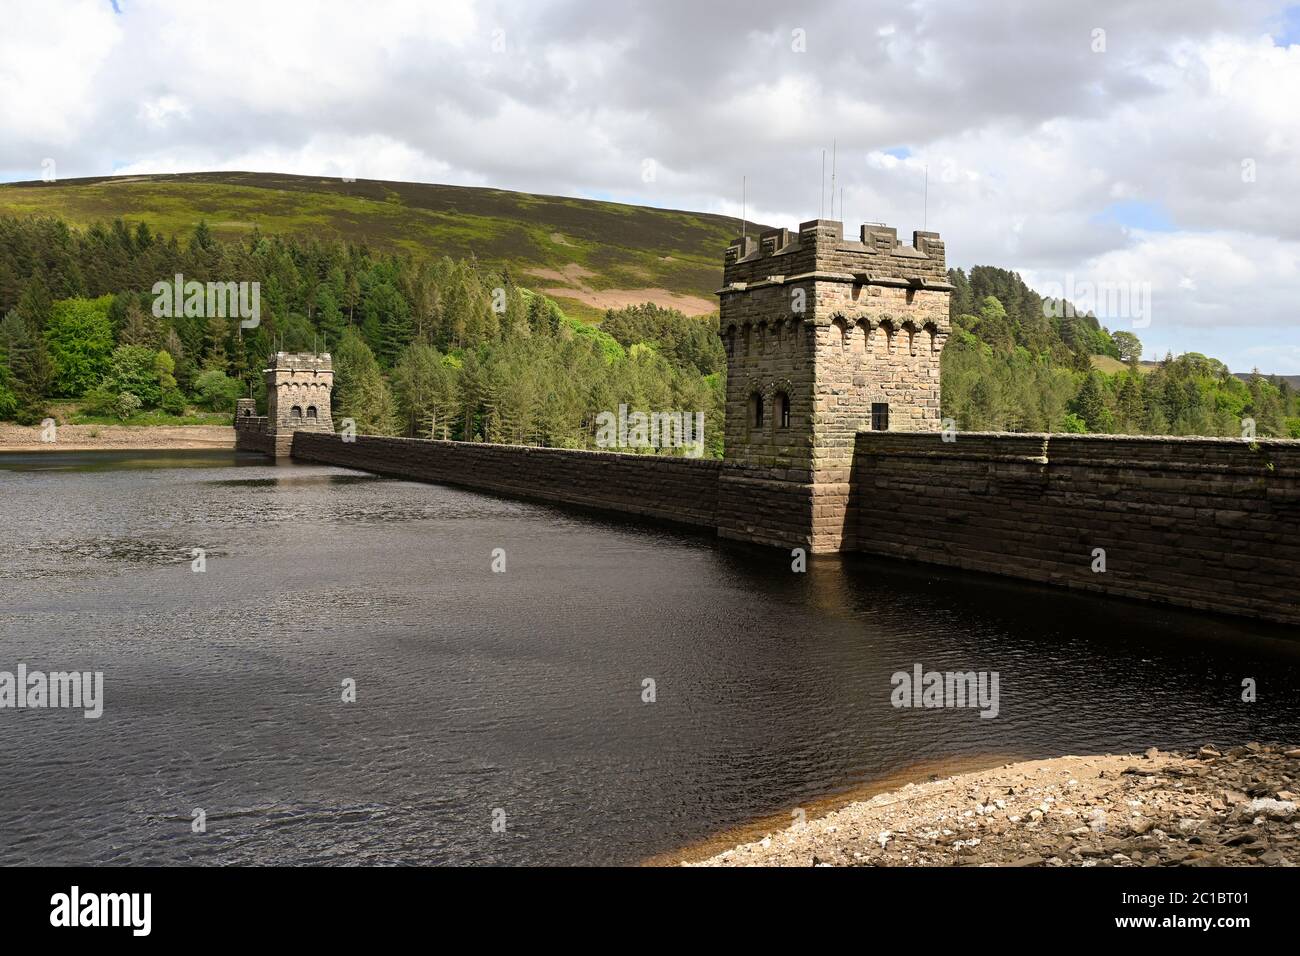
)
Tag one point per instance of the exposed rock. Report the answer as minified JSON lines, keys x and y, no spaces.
{"x":1215,"y":807}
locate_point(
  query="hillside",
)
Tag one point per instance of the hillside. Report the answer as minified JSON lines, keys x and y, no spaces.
{"x":451,"y":338}
{"x":588,"y":255}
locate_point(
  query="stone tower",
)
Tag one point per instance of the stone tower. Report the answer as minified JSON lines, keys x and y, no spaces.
{"x":298,"y":386}
{"x":824,"y":338}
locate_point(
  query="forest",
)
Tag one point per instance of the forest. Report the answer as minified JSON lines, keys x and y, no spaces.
{"x":450,"y":349}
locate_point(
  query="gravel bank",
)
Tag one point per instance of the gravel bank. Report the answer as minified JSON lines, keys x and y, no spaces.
{"x":117,"y":437}
{"x":1235,"y":807}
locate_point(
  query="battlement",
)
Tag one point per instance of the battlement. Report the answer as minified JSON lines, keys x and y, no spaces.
{"x":876,"y":257}
{"x":303,"y":362}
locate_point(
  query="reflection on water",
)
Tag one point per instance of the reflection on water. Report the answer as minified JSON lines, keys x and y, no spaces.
{"x":520,"y":691}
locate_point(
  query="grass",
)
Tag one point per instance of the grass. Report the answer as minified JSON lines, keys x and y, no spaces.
{"x":70,"y":413}
{"x":625,"y":247}
{"x":1110,"y":365}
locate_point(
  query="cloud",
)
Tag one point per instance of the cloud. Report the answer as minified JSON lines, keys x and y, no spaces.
{"x":1168,"y":156}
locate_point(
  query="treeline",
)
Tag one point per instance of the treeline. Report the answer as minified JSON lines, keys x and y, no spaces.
{"x":450,"y":349}
{"x":1012,"y":365}
{"x":421,"y":347}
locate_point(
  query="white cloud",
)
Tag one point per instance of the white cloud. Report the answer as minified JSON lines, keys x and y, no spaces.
{"x":1030,"y":138}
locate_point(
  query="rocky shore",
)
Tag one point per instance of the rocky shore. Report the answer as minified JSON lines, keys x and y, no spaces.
{"x":116,"y":437}
{"x":1215,"y":807}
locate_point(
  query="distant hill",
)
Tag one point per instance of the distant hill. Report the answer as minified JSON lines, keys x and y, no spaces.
{"x":587,"y":254}
{"x":1104,"y":363}
{"x":1292,"y":380}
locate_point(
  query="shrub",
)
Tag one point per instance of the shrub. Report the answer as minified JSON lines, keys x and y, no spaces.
{"x":173,"y":402}
{"x":127,"y":405}
{"x":216,"y":391}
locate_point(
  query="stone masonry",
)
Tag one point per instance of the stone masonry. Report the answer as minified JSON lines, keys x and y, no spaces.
{"x":298,"y":388}
{"x":1210,"y":523}
{"x":824,"y":338}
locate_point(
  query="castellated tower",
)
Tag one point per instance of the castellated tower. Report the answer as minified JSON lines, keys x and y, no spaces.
{"x":824,"y":338}
{"x":298,"y":386}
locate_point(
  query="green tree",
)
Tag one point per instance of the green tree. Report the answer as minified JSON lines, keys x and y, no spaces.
{"x":216,"y":391}
{"x":23,"y":352}
{"x":424,"y":387}
{"x":360,"y":391}
{"x":1128,"y":345}
{"x":79,"y":337}
{"x":1090,"y":405}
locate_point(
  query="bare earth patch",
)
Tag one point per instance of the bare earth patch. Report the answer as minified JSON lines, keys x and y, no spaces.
{"x":1232,"y":808}
{"x":576,"y":288}
{"x":119,"y":437}
{"x":619,"y":298}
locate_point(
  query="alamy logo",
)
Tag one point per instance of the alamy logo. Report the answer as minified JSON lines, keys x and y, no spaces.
{"x":1106,"y":300}
{"x":213,"y":300}
{"x":36,"y":690}
{"x":947,"y":689}
{"x":103,"y":909}
{"x":653,"y":430}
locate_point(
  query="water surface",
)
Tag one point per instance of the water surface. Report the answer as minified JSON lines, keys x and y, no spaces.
{"x":522,"y":691}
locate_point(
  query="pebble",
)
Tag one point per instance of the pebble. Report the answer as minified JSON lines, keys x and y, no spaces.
{"x":1217,"y":806}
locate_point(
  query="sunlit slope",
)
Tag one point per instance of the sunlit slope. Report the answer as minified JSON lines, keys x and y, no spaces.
{"x":590,"y":254}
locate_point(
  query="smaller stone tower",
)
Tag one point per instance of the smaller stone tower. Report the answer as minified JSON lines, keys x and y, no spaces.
{"x":298,"y":386}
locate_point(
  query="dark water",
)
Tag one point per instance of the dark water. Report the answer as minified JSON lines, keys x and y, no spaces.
{"x":519,"y":691}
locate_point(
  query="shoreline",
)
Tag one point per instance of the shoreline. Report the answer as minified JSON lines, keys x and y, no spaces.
{"x":820,"y":806}
{"x":18,"y":438}
{"x":1231,"y":807}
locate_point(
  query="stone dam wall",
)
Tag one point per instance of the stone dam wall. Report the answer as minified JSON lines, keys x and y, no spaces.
{"x":252,"y":433}
{"x":1207,"y":523}
{"x":678,"y":490}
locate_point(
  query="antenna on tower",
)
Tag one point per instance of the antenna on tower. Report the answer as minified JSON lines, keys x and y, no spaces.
{"x":833,"y":146}
{"x":822,"y":213}
{"x":925,"y":208}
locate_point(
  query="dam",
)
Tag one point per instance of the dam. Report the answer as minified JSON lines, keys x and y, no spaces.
{"x":835,"y":443}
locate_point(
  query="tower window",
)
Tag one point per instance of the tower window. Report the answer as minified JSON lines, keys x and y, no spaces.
{"x":756,"y":403}
{"x":782,"y":410}
{"x":311,"y":413}
{"x":880,"y":416}
{"x":295,"y":413}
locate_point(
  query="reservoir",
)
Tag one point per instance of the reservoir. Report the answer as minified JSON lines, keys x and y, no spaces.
{"x":621,"y":690}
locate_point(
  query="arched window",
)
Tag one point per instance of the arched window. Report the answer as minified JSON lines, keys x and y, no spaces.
{"x":756,"y":409}
{"x":782,"y":410}
{"x":248,"y":413}
{"x":295,"y":413}
{"x":311,"y":413}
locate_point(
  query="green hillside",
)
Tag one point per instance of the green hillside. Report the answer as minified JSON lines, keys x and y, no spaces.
{"x":588,"y":255}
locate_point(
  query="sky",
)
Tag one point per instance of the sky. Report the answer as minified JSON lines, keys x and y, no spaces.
{"x":1140,"y":154}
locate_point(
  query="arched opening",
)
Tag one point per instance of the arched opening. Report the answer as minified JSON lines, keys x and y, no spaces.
{"x":756,"y":410}
{"x":782,"y":410}
{"x":295,"y":413}
{"x":248,"y":413}
{"x":841,"y":334}
{"x":311,"y":413}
